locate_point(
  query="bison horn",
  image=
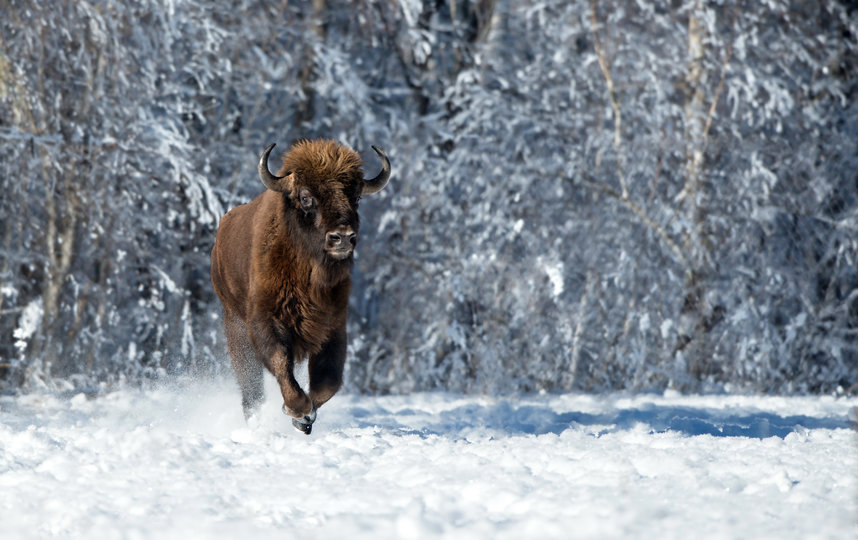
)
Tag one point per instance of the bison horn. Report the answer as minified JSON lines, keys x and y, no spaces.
{"x":271,"y":181}
{"x":377,"y":184}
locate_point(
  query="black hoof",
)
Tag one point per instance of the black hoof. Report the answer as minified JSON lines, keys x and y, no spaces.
{"x":304,"y":425}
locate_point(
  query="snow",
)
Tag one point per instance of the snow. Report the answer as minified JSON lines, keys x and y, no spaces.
{"x":31,"y":318}
{"x":180,"y":462}
{"x":555,"y":275}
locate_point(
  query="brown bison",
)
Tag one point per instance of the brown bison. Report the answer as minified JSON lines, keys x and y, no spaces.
{"x":281,"y":268}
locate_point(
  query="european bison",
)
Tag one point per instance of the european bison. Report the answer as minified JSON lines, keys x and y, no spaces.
{"x":281,"y":268}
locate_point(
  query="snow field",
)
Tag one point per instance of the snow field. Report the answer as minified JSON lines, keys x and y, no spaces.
{"x":180,"y":462}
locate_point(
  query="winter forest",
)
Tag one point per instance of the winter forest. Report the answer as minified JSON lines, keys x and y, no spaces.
{"x":586,"y":195}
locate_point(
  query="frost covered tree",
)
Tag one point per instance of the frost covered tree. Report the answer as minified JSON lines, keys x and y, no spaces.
{"x":640,"y":197}
{"x":106,"y":207}
{"x":586,"y":195}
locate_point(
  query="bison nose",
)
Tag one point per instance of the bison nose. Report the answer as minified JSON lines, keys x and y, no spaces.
{"x":341,"y":239}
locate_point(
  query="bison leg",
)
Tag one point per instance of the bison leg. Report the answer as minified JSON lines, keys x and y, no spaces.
{"x":295,"y":402}
{"x":279,"y":360}
{"x":326,"y":369}
{"x":248,"y":370}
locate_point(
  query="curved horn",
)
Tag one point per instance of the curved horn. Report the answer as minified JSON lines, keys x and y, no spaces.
{"x":377,"y":184}
{"x":271,"y":181}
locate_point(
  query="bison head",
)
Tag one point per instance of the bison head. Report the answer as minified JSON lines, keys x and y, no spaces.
{"x":323,"y":183}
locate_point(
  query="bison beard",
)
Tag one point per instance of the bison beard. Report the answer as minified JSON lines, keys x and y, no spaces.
{"x":281,"y":268}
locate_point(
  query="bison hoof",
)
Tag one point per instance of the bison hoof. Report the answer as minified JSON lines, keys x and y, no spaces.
{"x":302,"y":426}
{"x":305,"y":424}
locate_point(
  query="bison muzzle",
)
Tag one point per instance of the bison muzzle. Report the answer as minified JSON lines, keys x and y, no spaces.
{"x":281,"y":268}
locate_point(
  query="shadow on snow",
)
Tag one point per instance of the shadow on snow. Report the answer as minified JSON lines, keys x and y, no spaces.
{"x":510,"y":419}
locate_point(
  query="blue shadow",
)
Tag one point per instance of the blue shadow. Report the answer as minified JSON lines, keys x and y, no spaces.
{"x":511,"y":419}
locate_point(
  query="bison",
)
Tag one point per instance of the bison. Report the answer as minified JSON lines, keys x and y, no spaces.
{"x":281,"y":268}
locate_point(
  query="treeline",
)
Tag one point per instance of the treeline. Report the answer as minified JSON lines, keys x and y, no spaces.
{"x":587,"y":195}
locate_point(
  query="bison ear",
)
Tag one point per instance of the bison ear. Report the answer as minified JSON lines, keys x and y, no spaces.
{"x":376,"y":184}
{"x":272,"y":182}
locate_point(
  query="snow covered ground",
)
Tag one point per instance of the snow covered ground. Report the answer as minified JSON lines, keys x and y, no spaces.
{"x":180,"y":462}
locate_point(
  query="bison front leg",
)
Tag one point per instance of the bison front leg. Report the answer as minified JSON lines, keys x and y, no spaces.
{"x":295,"y":402}
{"x":326,"y":377}
{"x":279,"y":360}
{"x":326,"y":369}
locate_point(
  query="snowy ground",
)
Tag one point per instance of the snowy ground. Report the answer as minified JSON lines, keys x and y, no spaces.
{"x":181,"y":463}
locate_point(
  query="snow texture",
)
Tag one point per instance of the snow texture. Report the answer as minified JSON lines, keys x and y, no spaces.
{"x":31,"y":317}
{"x":181,"y":463}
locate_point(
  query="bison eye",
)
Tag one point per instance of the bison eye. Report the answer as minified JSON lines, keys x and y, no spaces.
{"x":307,"y":201}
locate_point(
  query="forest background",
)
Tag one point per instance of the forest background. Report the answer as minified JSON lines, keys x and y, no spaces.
{"x":586,"y":195}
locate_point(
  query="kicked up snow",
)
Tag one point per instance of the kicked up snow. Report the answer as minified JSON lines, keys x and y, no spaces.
{"x":180,"y":462}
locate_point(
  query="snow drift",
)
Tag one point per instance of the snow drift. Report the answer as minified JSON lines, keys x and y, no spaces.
{"x":180,"y":462}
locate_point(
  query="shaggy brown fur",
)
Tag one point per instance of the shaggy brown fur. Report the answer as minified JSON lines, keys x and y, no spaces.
{"x":280,"y":266}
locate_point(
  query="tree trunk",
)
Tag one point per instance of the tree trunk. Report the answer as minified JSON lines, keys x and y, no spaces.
{"x":59,"y":247}
{"x":695,"y":315}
